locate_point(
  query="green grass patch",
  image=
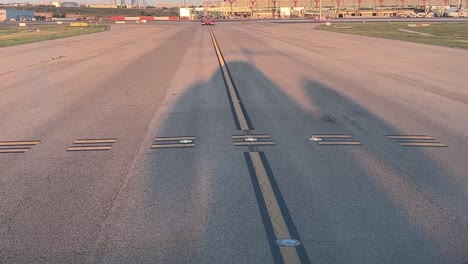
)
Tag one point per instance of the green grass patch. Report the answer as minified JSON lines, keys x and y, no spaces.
{"x":10,"y":36}
{"x":441,"y":34}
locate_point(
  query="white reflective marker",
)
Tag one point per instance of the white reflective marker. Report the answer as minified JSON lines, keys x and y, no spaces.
{"x":288,"y":242}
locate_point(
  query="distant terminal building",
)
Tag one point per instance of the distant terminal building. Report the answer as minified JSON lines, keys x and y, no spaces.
{"x":102,"y":6}
{"x":167,"y":4}
{"x":14,"y":14}
{"x":345,"y":4}
{"x":70,"y":4}
{"x":309,"y":8}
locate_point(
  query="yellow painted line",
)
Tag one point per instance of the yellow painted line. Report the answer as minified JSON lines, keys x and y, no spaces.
{"x":235,"y":100}
{"x":410,"y":137}
{"x":173,"y":146}
{"x":423,"y":144}
{"x":280,"y":228}
{"x":257,"y":143}
{"x":339,"y":143}
{"x":331,"y":136}
{"x":15,"y":150}
{"x":173,"y":138}
{"x":89,"y":145}
{"x":416,"y":140}
{"x":88,"y":141}
{"x":254,"y":136}
{"x":18,"y":143}
{"x":73,"y":148}
{"x":78,"y":24}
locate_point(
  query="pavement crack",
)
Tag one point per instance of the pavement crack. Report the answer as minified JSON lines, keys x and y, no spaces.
{"x":98,"y":250}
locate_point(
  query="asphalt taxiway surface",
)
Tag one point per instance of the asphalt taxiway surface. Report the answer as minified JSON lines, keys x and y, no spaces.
{"x":239,"y":143}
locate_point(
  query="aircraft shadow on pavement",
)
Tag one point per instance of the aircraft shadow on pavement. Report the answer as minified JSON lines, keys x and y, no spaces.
{"x":415,"y":183}
{"x":418,"y":184}
{"x":406,"y":218}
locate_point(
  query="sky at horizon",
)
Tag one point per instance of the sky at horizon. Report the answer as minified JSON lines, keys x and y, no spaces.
{"x":148,"y":2}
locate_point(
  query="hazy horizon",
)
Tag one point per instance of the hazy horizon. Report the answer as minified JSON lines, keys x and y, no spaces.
{"x":148,"y":2}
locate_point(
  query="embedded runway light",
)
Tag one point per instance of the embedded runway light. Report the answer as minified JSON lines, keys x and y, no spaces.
{"x":288,"y":242}
{"x":185,"y":141}
{"x":316,"y":139}
{"x":250,"y":139}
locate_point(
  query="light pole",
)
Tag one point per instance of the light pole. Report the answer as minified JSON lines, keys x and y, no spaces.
{"x":230,"y":2}
{"x":320,"y":10}
{"x":425,"y":6}
{"x":274,"y":8}
{"x":338,"y":8}
{"x":253,"y":3}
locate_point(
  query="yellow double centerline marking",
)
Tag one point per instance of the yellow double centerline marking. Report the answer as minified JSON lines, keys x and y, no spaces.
{"x":277,"y":221}
{"x":276,"y":218}
{"x":236,"y":103}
